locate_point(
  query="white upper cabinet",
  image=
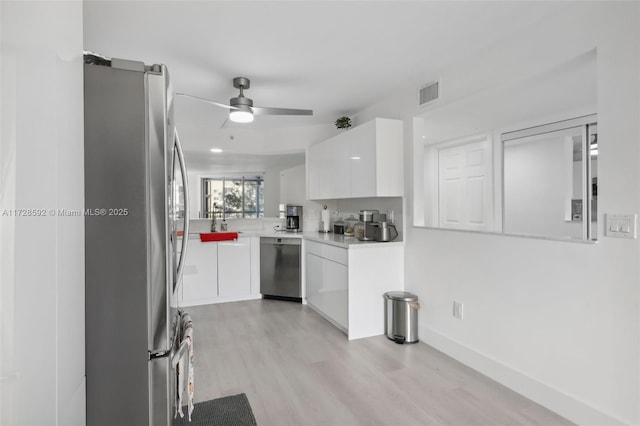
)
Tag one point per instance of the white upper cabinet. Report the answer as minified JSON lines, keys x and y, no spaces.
{"x":318,"y":173}
{"x":339,"y":167}
{"x":365,"y":161}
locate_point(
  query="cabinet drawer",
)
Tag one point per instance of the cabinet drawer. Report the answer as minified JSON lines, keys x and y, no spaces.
{"x":327,"y":251}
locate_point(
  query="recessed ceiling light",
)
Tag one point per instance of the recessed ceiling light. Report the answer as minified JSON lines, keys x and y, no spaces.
{"x":216,"y":150}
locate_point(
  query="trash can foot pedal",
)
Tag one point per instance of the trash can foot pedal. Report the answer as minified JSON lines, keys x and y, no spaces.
{"x":399,"y":339}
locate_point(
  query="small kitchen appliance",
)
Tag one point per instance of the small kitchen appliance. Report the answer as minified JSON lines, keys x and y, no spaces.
{"x":294,"y":218}
{"x":349,"y":225}
{"x":366,"y":228}
{"x":386,"y":232}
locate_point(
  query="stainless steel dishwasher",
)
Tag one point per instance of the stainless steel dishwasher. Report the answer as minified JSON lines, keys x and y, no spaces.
{"x":280,"y":271}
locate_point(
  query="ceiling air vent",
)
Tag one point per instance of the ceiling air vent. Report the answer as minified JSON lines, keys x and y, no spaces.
{"x":429,"y":92}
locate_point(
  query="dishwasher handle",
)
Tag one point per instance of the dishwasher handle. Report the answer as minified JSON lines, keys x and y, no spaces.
{"x":280,"y":241}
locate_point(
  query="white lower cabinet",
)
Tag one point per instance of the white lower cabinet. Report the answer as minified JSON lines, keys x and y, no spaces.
{"x":200,"y":277}
{"x":327,"y":288}
{"x":336,"y":292}
{"x":234,"y":268}
{"x":218,"y":272}
{"x":314,"y":279}
{"x":346,"y":285}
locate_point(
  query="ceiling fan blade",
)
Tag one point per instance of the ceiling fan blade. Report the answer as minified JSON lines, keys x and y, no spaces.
{"x":206,"y":100}
{"x":280,"y":111}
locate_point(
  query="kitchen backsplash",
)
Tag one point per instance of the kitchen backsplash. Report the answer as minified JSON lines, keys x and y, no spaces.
{"x":311,"y":214}
{"x":392,"y":206}
{"x":247,"y":225}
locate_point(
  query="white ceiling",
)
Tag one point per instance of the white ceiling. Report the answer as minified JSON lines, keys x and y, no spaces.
{"x":335,"y":57}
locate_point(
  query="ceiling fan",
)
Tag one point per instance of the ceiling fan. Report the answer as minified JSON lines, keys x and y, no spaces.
{"x":241,"y":109}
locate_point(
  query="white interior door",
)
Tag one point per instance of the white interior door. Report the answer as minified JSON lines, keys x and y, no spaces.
{"x":464,"y":186}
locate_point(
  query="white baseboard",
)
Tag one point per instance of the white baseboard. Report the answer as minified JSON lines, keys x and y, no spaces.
{"x":555,"y":400}
{"x":328,"y":318}
{"x":213,"y":301}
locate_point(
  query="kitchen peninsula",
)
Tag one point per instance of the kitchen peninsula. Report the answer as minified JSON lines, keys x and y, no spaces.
{"x":346,"y":278}
{"x":343,"y":278}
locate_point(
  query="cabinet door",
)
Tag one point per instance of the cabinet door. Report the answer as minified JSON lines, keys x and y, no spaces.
{"x":320,"y":172}
{"x":200,"y":279}
{"x":362,"y":157}
{"x":234,"y":268}
{"x":313,"y":172}
{"x":389,"y":158}
{"x":314,"y":278}
{"x":339,"y":167}
{"x":335,"y":291}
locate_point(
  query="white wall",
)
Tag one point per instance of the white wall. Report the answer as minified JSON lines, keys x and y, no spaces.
{"x":42,"y":276}
{"x":556,"y":321}
{"x":272,"y":193}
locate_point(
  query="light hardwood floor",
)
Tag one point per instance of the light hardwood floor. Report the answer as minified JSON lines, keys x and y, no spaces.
{"x":298,"y":369}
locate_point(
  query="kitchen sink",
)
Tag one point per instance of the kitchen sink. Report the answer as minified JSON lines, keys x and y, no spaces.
{"x":218,"y":236}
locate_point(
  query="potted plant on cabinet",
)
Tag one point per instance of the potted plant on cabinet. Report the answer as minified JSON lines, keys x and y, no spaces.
{"x":343,"y":123}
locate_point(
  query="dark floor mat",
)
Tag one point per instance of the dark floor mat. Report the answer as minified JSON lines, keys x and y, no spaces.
{"x":227,"y":411}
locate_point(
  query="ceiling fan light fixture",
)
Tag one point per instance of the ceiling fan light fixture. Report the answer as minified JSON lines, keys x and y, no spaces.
{"x":242,"y":114}
{"x":241,"y":109}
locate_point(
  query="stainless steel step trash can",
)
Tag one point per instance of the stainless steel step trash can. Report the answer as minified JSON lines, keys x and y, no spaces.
{"x":401,"y":316}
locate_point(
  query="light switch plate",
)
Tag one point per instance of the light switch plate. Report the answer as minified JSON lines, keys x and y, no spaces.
{"x":621,"y":226}
{"x":458,"y":309}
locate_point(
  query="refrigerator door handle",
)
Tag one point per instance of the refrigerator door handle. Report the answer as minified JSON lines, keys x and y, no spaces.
{"x":185,"y":228}
{"x":159,"y":354}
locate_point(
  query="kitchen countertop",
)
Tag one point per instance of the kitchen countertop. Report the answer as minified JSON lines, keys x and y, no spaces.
{"x":330,"y":238}
{"x":272,"y":233}
{"x":277,"y":234}
{"x":344,"y":241}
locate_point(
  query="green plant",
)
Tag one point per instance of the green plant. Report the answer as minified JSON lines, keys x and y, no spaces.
{"x":343,"y":123}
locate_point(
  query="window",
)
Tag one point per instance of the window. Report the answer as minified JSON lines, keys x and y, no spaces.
{"x":233,"y":198}
{"x":539,"y":181}
{"x":548,"y":180}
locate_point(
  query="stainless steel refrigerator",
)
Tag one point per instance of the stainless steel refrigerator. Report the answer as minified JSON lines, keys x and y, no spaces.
{"x":135,"y":204}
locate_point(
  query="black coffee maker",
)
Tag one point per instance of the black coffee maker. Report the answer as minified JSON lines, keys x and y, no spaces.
{"x":294,"y":218}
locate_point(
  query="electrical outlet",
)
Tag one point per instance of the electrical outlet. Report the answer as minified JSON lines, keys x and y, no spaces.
{"x":458,"y":309}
